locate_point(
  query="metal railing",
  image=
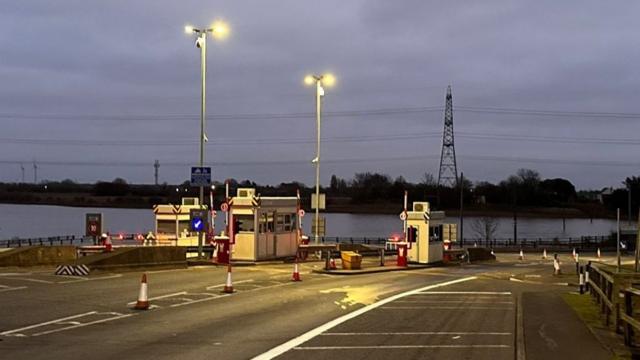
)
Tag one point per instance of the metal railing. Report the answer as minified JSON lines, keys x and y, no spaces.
{"x":353,"y":240}
{"x":46,"y":241}
{"x":555,"y":243}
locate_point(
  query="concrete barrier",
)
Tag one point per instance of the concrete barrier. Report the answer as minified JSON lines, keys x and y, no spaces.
{"x":137,"y":257}
{"x":38,"y":255}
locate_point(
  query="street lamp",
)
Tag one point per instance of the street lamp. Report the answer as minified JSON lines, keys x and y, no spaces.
{"x":219,"y":30}
{"x":327,"y":80}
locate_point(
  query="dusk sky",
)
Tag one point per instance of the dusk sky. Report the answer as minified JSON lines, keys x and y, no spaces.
{"x":94,"y":90}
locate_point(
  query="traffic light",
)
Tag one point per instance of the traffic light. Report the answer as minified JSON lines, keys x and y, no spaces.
{"x":412,"y":234}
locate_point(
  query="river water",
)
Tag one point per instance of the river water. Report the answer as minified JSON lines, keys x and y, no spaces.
{"x":43,"y":220}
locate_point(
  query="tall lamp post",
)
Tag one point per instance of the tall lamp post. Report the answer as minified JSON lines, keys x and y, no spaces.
{"x":319,"y":80}
{"x":218,"y":30}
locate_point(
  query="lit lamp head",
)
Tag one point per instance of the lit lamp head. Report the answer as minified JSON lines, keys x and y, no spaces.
{"x":220,"y":30}
{"x":188,"y":29}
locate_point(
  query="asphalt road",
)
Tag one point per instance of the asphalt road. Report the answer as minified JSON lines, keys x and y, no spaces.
{"x":468,"y":312}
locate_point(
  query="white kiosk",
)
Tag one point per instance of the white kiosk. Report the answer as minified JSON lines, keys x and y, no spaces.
{"x":427,"y":248}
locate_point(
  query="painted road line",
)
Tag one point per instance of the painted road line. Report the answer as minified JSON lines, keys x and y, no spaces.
{"x":115,"y":316}
{"x":160,"y":297}
{"x":382,"y":347}
{"x":209,"y":297}
{"x":4,"y":288}
{"x":469,"y":302}
{"x":416,"y":333}
{"x":81,"y":279}
{"x":424,"y":292}
{"x":222,"y":285}
{"x":445,"y":308}
{"x":10,"y":332}
{"x":31,"y":280}
{"x":293,"y":343}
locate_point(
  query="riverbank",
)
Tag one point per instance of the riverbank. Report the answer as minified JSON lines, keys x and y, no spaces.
{"x":334,"y":205}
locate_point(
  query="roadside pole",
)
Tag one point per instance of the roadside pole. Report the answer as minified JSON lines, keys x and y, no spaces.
{"x":618,"y":239}
{"x":637,"y":242}
{"x":404,"y":222}
{"x":461,"y":209}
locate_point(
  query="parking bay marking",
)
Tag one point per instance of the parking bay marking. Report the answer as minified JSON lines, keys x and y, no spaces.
{"x":22,"y":332}
{"x":296,"y":342}
{"x":4,"y":288}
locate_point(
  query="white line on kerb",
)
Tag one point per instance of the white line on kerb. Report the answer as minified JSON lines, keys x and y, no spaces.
{"x":356,"y":347}
{"x":293,"y":343}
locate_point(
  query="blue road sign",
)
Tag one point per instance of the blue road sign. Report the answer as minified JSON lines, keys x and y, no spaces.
{"x":197,"y":224}
{"x":200,"y":176}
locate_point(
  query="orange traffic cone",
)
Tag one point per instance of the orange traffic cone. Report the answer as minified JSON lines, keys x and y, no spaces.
{"x":228,"y":287}
{"x":296,"y":273}
{"x":143,"y":296}
{"x":521,"y":256}
{"x":332,"y":264}
{"x":544,"y":254}
{"x":108,"y":246}
{"x":598,"y":253}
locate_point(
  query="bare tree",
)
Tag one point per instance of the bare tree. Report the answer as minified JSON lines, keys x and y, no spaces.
{"x":485,"y":227}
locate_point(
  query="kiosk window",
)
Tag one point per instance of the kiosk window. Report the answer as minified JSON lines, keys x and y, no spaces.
{"x":166,"y":226}
{"x":245,"y":222}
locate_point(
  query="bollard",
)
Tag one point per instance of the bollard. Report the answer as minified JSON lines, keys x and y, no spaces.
{"x":577,"y":257}
{"x":381,"y":257}
{"x":581,"y":280}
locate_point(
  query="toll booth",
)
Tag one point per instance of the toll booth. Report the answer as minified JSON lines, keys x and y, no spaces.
{"x":264,"y":227}
{"x":440,"y":230}
{"x":172,"y":223}
{"x":427,"y":248}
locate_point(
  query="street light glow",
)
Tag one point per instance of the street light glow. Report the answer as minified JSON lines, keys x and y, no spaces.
{"x":328,"y":80}
{"x":220,"y":30}
{"x":188,"y":29}
{"x":309,"y":79}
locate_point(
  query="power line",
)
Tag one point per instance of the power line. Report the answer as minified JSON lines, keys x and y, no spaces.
{"x":342,"y":113}
{"x":338,"y":139}
{"x":336,"y":161}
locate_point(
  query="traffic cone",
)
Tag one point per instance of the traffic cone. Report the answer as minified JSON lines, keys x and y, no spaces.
{"x":108,"y":246}
{"x":598,"y":253}
{"x":544,"y":254}
{"x":143,"y":296}
{"x":296,"y":273}
{"x":228,"y":286}
{"x":521,"y":257}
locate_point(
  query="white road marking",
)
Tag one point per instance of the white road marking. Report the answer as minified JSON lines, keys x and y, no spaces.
{"x":210,"y":297}
{"x":160,"y":297}
{"x":293,"y":343}
{"x":469,"y":302}
{"x":382,"y":347}
{"x":416,"y":333}
{"x":118,"y":316}
{"x":32,"y":280}
{"x":81,"y":279}
{"x":65,"y":321}
{"x":424,"y":292}
{"x":446,"y":307}
{"x":9,"y":288}
{"x":222,"y":285}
